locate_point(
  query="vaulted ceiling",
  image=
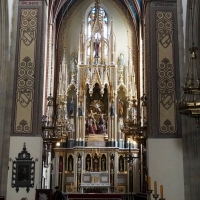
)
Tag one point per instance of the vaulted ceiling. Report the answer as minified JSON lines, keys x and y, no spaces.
{"x":58,"y":8}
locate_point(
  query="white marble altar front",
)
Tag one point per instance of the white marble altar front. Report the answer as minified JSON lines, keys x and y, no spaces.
{"x":95,"y":180}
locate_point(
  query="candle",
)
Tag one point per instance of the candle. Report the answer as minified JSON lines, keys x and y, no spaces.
{"x":71,"y":185}
{"x":155,"y":187}
{"x":161,"y":191}
{"x":149,"y":183}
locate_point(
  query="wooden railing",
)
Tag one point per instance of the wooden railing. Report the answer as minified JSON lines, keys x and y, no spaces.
{"x":90,"y":196}
{"x":78,"y":196}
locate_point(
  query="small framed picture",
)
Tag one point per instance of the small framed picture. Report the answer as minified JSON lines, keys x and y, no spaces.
{"x":23,"y":171}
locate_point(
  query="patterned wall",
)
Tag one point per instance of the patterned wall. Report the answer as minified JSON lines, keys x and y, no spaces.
{"x":25,"y":76}
{"x":164,"y":70}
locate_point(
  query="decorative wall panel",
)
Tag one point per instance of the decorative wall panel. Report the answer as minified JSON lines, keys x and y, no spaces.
{"x":165,"y":71}
{"x":164,"y":81}
{"x":26,"y":73}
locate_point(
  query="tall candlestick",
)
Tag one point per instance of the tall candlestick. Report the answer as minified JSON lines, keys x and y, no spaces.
{"x":155,"y":187}
{"x":161,"y":191}
{"x":149,"y":183}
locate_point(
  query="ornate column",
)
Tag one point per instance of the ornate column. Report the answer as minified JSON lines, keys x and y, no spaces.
{"x":112,"y":45}
{"x":75,"y":184}
{"x":100,"y":161}
{"x":112,"y":130}
{"x":80,"y":107}
{"x":112,"y":170}
{"x":92,"y":160}
{"x":78,"y":135}
{"x":115,"y":172}
{"x":28,"y":88}
{"x":115,"y":105}
{"x":82,"y":44}
{"x":162,"y":75}
{"x":79,"y":167}
{"x":84,"y":117}
{"x":91,"y":51}
{"x":102,"y":51}
{"x":28,"y":84}
{"x":63,"y":174}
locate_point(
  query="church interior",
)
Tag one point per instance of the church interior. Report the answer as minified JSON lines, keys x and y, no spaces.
{"x":100,"y":98}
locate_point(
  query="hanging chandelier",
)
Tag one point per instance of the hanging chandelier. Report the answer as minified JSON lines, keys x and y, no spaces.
{"x":141,"y":131}
{"x":56,"y":125}
{"x":55,"y":129}
{"x":132,"y":126}
{"x":189,"y":104}
{"x":48,"y":128}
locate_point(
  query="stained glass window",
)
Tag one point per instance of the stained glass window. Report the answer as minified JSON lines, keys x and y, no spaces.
{"x":103,"y":20}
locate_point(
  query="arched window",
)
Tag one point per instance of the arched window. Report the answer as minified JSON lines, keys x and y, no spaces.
{"x":103,"y":20}
{"x":97,"y":27}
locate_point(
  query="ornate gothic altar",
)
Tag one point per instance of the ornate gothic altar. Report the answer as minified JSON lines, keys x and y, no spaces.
{"x":97,"y":117}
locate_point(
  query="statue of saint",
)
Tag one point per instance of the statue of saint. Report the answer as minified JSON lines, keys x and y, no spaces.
{"x":71,"y":107}
{"x":88,"y":160}
{"x":130,"y":111}
{"x":121,"y":165}
{"x":70,"y":164}
{"x":79,"y":164}
{"x":91,"y":125}
{"x":80,"y":110}
{"x":73,"y":63}
{"x":112,"y":165}
{"x":103,"y":164}
{"x":120,"y":107}
{"x":121,"y":62}
{"x":112,"y":110}
{"x":101,"y":126}
{"x":96,"y":164}
{"x":96,"y":48}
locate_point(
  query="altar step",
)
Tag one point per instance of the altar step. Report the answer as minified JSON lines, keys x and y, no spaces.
{"x":108,"y":196}
{"x":94,"y":196}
